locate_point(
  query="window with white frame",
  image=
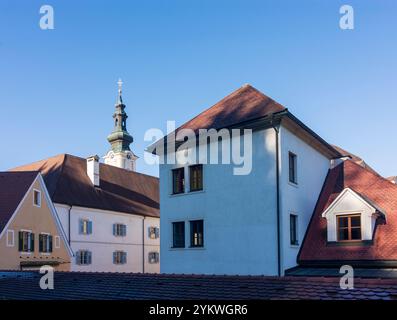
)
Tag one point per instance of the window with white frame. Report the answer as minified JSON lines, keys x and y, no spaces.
{"x":154,"y":257}
{"x":36,"y":198}
{"x":45,"y":243}
{"x":119,"y":230}
{"x":154,"y":232}
{"x":10,"y":238}
{"x":119,"y":257}
{"x":83,"y":257}
{"x":85,"y":226}
{"x":292,"y":164}
{"x":26,"y":241}
{"x":57,"y":242}
{"x":293,"y":229}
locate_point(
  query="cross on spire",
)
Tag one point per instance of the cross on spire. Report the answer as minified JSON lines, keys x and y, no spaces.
{"x":119,"y":98}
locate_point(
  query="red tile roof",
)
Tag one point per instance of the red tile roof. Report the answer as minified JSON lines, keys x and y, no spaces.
{"x":120,"y":190}
{"x":372,"y":186}
{"x":128,"y":286}
{"x":13,"y":187}
{"x":244,"y":104}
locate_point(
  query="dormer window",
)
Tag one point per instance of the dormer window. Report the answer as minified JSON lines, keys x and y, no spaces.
{"x":352,"y":218}
{"x":349,"y":227}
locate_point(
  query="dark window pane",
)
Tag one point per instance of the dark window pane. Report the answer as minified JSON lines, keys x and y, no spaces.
{"x":355,"y":221}
{"x":343,"y":222}
{"x":292,"y":168}
{"x":178,"y":180}
{"x":343,"y":234}
{"x":356,"y":234}
{"x":197,"y":233}
{"x":178,"y":234}
{"x":196,"y":177}
{"x":293,"y":229}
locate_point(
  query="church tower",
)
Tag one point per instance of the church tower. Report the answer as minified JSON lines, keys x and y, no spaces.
{"x":120,"y":154}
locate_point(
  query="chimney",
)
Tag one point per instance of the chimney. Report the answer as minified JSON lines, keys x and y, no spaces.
{"x":93,"y":169}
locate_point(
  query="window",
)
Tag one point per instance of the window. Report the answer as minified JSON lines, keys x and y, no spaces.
{"x":292,"y":168}
{"x":119,"y":230}
{"x":83,"y":257}
{"x":45,"y":243}
{"x":26,"y":241}
{"x":57,"y":242}
{"x":293,"y":229}
{"x":85,"y":226}
{"x":178,"y":181}
{"x":37,"y":198}
{"x":119,"y":257}
{"x":196,"y":177}
{"x":178,"y":231}
{"x":154,"y":257}
{"x":349,"y":227}
{"x":10,"y":238}
{"x":154,"y":232}
{"x":197,"y":233}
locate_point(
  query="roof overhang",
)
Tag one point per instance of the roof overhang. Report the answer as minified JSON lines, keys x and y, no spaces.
{"x":368,"y":202}
{"x":284,"y":117}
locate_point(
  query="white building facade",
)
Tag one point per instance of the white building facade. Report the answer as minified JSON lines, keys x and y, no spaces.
{"x":139,"y":244}
{"x":249,"y":224}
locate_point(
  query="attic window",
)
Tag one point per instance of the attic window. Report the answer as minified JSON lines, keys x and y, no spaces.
{"x":36,"y":198}
{"x":349,"y":227}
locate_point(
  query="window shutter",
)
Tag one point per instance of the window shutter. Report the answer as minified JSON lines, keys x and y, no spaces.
{"x":78,"y":257}
{"x":124,"y":230}
{"x":114,"y":257}
{"x":32,"y":242}
{"x":114,"y":229}
{"x":40,"y":243}
{"x":89,"y":227}
{"x":50,"y":243}
{"x":124,"y":257}
{"x":157,"y":232}
{"x":89,"y":257}
{"x":20,"y":241}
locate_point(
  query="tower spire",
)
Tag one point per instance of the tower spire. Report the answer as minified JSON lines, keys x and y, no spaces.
{"x":119,"y":97}
{"x":120,"y":154}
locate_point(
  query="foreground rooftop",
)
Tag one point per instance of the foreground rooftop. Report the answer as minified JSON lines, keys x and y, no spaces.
{"x":130,"y":286}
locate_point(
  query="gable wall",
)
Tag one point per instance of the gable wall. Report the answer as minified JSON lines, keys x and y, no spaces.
{"x":37,"y":220}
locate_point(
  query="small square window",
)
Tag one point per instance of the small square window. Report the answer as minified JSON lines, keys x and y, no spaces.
{"x":292,"y":163}
{"x":85,"y":226}
{"x":26,"y":241}
{"x":83,"y":257}
{"x":349,"y":228}
{"x":45,"y":243}
{"x":178,"y":180}
{"x":119,"y":230}
{"x":154,"y":232}
{"x":154,"y":257}
{"x":119,"y":257}
{"x":37,"y":198}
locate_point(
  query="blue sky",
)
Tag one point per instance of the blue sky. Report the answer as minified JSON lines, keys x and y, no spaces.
{"x":177,"y":58}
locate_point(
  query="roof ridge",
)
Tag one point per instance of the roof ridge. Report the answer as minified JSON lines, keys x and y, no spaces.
{"x":243,"y":87}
